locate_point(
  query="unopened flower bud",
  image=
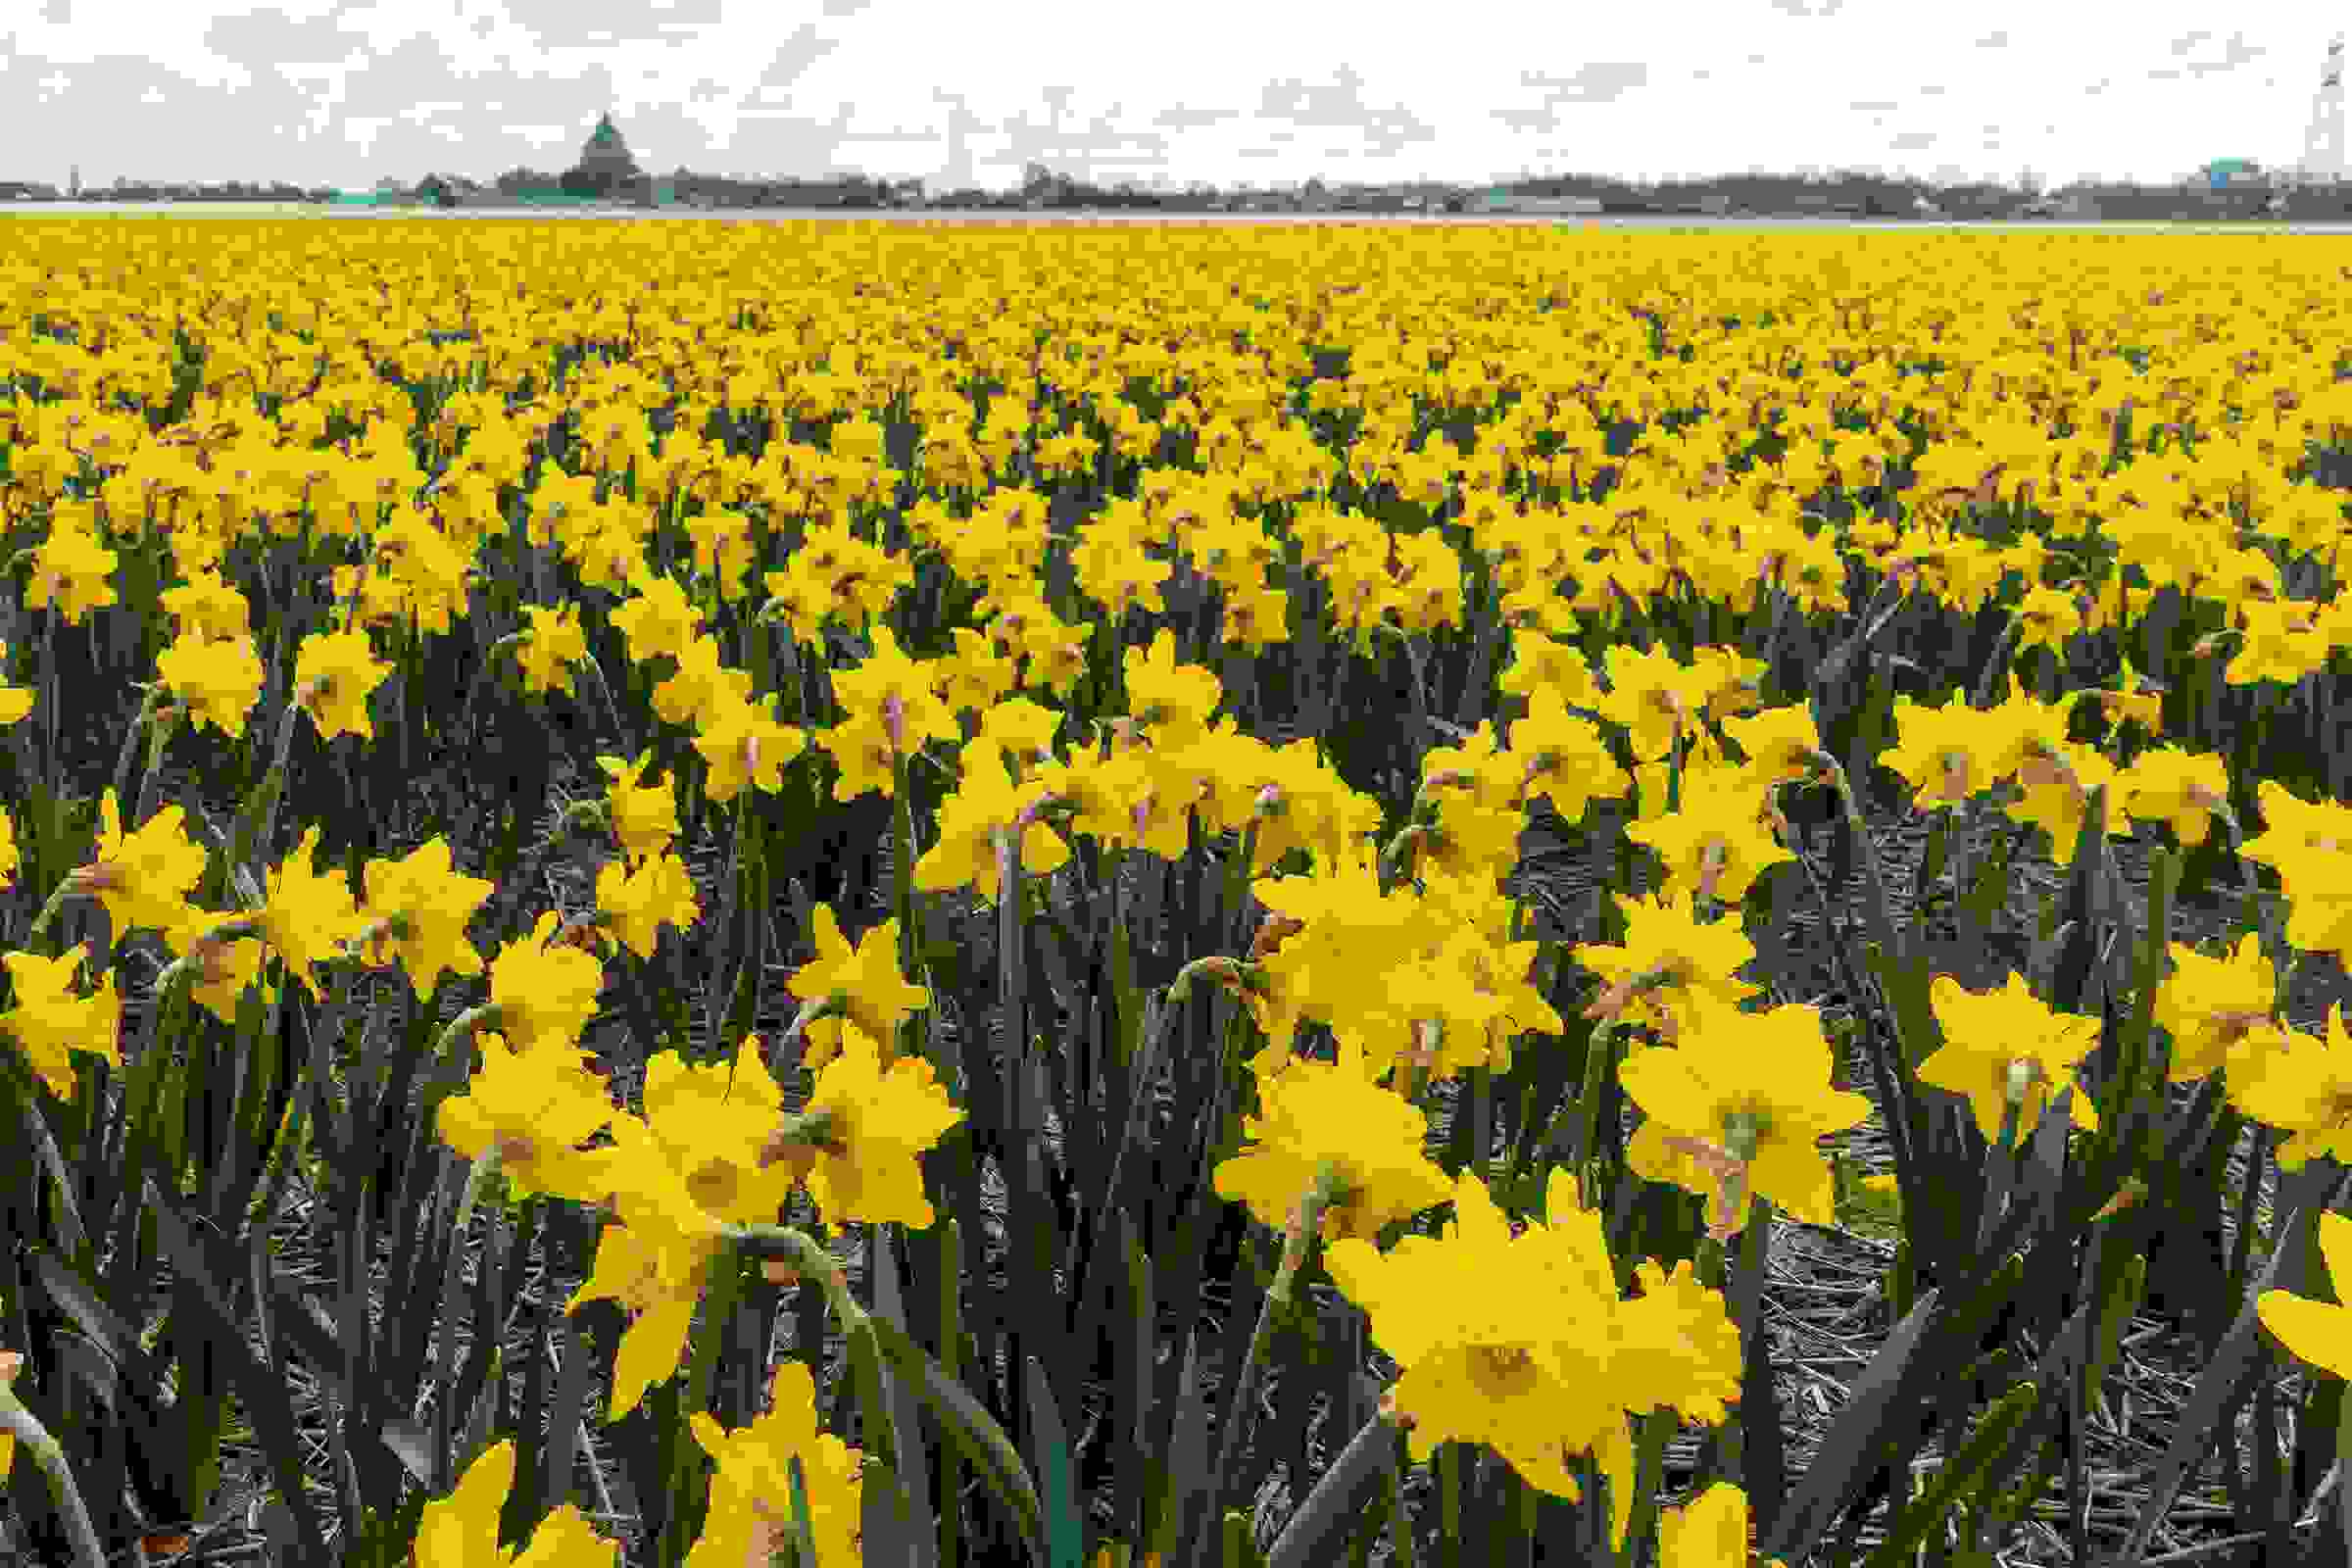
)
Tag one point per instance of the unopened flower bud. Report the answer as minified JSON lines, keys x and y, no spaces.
{"x":2133,"y":1190}
{"x":1741,"y":1132}
{"x":1713,"y":860}
{"x":2023,"y":1073}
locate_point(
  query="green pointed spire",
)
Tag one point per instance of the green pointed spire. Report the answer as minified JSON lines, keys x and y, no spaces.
{"x":606,"y":153}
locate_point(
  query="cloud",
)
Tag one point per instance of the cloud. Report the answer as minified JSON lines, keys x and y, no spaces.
{"x":328,"y":91}
{"x":2204,"y":55}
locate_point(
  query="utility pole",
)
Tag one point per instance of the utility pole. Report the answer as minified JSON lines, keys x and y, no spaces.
{"x":2324,"y":150}
{"x":958,"y":173}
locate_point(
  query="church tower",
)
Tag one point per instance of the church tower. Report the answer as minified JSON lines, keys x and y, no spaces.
{"x":605,"y":157}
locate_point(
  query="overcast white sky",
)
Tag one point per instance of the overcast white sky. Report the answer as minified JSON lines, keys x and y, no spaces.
{"x":1262,"y":91}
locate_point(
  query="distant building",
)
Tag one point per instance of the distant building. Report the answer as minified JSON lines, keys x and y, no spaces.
{"x":606,"y":163}
{"x":2224,"y":173}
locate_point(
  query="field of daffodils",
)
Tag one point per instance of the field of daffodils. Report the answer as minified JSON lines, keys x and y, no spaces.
{"x":1089,"y":897}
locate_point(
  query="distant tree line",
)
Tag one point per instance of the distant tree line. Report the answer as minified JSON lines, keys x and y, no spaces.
{"x":145,"y":190}
{"x":1838,"y":194}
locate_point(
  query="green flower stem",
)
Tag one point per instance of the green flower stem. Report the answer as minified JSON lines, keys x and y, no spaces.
{"x":1526,"y":1503}
{"x":714,"y":1008}
{"x":485,"y":1166}
{"x":274,"y":783}
{"x":1397,"y":860}
{"x":1745,"y":1296}
{"x":47,"y":1452}
{"x":611,"y":707}
{"x":2273,"y":933}
{"x":1429,"y":1037}
{"x":158,"y":736}
{"x":1649,"y":1449}
{"x":722,"y":1284}
{"x":73,"y":1233}
{"x":1882,"y":923}
{"x":1599,"y":1048}
{"x":1708,"y":1268}
{"x":1237,"y":885}
{"x":170,"y":996}
{"x":1306,"y":1225}
{"x":1373,"y":1447}
{"x":1530,"y":1163}
{"x":803,"y":1536}
{"x":1418,"y":661}
{"x":1235,"y":1537}
{"x":1674,"y":769}
{"x":812,"y":1260}
{"x":809,"y":1257}
{"x":836,"y":1006}
{"x":1400,"y":1529}
{"x":1959,"y":822}
{"x":49,"y":701}
{"x":148,"y":703}
{"x":1151,"y":1048}
{"x":461,"y":1028}
{"x":902,"y":876}
{"x":482,"y":672}
{"x":1993,"y":665}
{"x":56,"y":902}
{"x":1218,"y":967}
{"x":1482,"y":1122}
{"x":2343,"y":1451}
{"x":1449,"y":1466}
{"x":951,"y":1352}
{"x":2134,"y":1080}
